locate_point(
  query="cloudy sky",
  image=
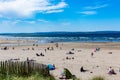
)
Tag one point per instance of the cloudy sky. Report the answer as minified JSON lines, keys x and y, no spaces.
{"x":59,"y":15}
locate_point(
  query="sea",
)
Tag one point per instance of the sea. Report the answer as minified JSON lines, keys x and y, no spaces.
{"x":54,"y":37}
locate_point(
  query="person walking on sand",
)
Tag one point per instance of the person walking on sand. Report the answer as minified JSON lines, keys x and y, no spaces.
{"x":95,"y":50}
{"x":92,"y":54}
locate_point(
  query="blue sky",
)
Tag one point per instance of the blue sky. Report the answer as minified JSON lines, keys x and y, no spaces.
{"x":59,"y":15}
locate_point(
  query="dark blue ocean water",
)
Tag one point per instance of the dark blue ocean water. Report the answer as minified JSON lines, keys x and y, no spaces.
{"x":48,"y":37}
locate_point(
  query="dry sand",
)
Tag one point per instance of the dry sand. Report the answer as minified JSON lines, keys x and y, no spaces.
{"x":99,"y":63}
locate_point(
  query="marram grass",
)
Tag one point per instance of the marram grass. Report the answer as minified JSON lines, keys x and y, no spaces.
{"x":30,"y":71}
{"x":32,"y":77}
{"x":98,"y":78}
{"x":24,"y":71}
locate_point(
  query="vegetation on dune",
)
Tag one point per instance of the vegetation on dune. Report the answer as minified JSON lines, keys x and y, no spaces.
{"x":32,"y":77}
{"x":69,"y":75}
{"x":98,"y":78}
{"x":27,"y":70}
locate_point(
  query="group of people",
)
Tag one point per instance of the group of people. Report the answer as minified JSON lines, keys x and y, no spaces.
{"x":96,"y":49}
{"x":69,"y":58}
{"x":41,"y":54}
{"x":110,"y":72}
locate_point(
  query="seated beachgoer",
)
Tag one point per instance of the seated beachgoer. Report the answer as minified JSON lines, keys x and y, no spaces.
{"x":112,"y":72}
{"x":67,"y":57}
{"x":82,"y":70}
{"x":37,"y":54}
{"x":71,"y":52}
{"x":41,"y":54}
{"x":109,"y":52}
{"x":72,"y":57}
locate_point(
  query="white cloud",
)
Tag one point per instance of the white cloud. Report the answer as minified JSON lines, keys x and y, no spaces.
{"x":15,"y":22}
{"x":42,"y":20}
{"x":25,"y":8}
{"x":96,"y":7}
{"x":8,"y":23}
{"x":88,"y":12}
{"x":91,"y":10}
{"x":54,"y":11}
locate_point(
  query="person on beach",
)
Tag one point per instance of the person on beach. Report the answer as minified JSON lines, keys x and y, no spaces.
{"x":67,"y":58}
{"x":52,"y":48}
{"x":110,"y":68}
{"x":82,"y":69}
{"x":13,"y":48}
{"x":37,"y":54}
{"x":45,"y":50}
{"x":32,"y":48}
{"x":36,"y":45}
{"x":48,"y":48}
{"x":33,"y":44}
{"x":5,"y":48}
{"x":95,"y":50}
{"x":27,"y":58}
{"x":56,"y":45}
{"x":111,"y":71}
{"x":92,"y":54}
{"x":41,"y":54}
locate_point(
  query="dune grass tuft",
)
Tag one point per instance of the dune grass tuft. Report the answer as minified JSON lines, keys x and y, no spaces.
{"x":26,"y":70}
{"x":32,"y":77}
{"x":98,"y":78}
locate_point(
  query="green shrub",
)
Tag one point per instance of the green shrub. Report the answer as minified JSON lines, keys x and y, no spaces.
{"x":98,"y":78}
{"x":67,"y":73}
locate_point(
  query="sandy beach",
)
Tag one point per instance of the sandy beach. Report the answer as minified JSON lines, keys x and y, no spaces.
{"x":97,"y":65}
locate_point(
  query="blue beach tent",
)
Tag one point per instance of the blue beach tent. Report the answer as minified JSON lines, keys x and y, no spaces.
{"x":51,"y":67}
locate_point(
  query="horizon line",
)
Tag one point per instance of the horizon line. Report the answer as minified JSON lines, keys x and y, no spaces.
{"x":58,"y":31}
